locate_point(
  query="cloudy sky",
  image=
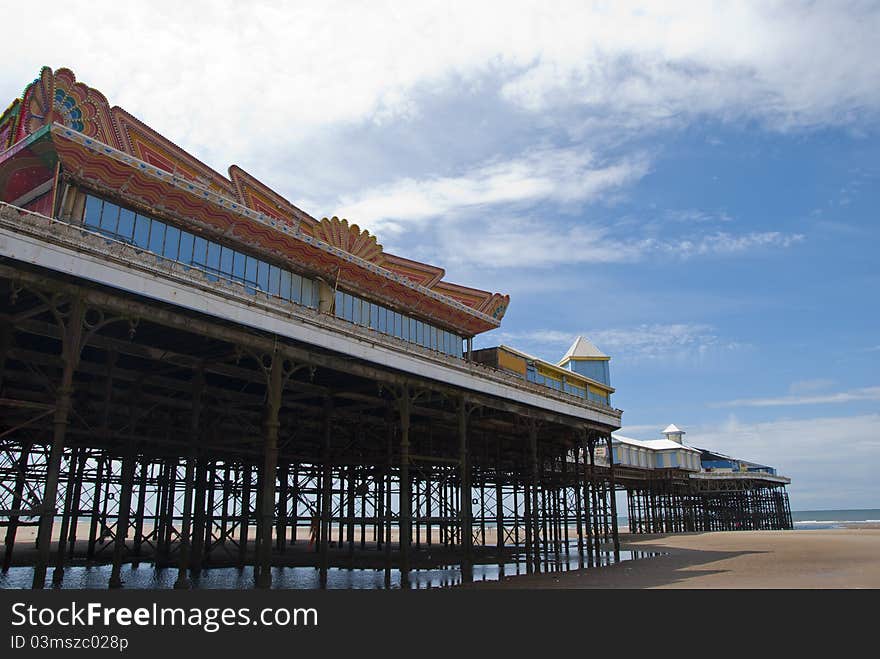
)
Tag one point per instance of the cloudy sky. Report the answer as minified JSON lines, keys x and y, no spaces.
{"x":693,"y":187}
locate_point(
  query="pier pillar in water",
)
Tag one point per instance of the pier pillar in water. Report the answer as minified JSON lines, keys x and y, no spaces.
{"x":405,"y":526}
{"x":186,"y":522}
{"x":270,"y":463}
{"x":326,"y":492}
{"x":535,"y":509}
{"x":122,"y":519}
{"x":464,"y":512}
{"x":17,"y":501}
{"x":71,"y":347}
{"x":613,"y":496}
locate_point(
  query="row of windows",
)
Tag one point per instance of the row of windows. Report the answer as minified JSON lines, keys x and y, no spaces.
{"x":220,"y":261}
{"x":215,"y":259}
{"x":356,"y":310}
{"x":533,"y":376}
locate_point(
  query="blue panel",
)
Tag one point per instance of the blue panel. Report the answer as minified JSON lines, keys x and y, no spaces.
{"x":226,"y":255}
{"x":200,"y":248}
{"x":595,"y":370}
{"x":186,"y":246}
{"x":274,"y":276}
{"x":238,"y":260}
{"x":92,"y":216}
{"x":126,"y":224}
{"x":142,"y":231}
{"x":109,"y":217}
{"x":157,"y":236}
{"x":172,"y":243}
{"x":263,"y":275}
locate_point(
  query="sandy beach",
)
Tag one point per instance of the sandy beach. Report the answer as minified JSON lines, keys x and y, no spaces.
{"x":834,"y":558}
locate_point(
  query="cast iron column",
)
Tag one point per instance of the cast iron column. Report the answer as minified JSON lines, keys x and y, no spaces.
{"x":70,"y":353}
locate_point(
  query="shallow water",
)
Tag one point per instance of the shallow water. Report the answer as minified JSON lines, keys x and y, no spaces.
{"x":145,"y":576}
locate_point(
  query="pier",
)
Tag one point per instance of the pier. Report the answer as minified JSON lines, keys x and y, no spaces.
{"x":196,"y":373}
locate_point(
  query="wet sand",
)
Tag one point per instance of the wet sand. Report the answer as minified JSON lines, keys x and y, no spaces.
{"x":833,"y":558}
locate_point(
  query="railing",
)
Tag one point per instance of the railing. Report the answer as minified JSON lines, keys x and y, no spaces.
{"x":70,"y":236}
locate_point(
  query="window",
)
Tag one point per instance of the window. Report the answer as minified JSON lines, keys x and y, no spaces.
{"x":186,"y":246}
{"x":238,"y":266}
{"x":213,"y":261}
{"x":172,"y":242}
{"x":274,"y":280}
{"x":92,"y":217}
{"x":157,"y":237}
{"x":284,"y":289}
{"x":226,"y":255}
{"x":125,"y":228}
{"x":296,"y":288}
{"x":263,"y":275}
{"x":142,"y":232}
{"x":109,"y":218}
{"x":200,"y":250}
{"x":250,"y":270}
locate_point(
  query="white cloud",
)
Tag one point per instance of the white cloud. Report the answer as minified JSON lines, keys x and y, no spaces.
{"x":809,"y":386}
{"x":784,"y":63}
{"x":520,"y":206}
{"x":726,"y":243}
{"x":832,"y":461}
{"x":563,"y":175}
{"x":220,"y":77}
{"x":643,"y":343}
{"x":851,"y":396}
{"x":519,"y":242}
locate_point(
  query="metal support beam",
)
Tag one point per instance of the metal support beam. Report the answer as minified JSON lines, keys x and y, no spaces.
{"x":70,"y":353}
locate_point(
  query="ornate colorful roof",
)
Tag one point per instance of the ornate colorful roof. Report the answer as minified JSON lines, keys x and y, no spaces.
{"x":108,"y":149}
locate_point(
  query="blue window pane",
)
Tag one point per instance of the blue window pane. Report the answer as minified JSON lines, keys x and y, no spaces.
{"x":200,"y":248}
{"x":238,"y":260}
{"x":126,"y":224}
{"x":355,"y":310}
{"x":374,"y":316}
{"x":213,"y":259}
{"x":157,"y":236}
{"x":109,"y":217}
{"x":380,"y":321}
{"x":226,"y":261}
{"x":172,"y":242}
{"x":296,"y":289}
{"x":274,"y":283}
{"x":186,"y":246}
{"x":92,"y":217}
{"x":250,"y":270}
{"x":285,"y":284}
{"x":142,"y":231}
{"x":263,"y":275}
{"x":309,"y":293}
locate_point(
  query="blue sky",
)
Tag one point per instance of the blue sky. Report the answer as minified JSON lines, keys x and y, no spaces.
{"x":693,"y":187}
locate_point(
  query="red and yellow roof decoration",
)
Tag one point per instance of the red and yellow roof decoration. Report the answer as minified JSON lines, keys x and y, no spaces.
{"x":108,"y":149}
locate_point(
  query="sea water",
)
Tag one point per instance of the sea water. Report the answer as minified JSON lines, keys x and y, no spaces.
{"x":834,"y":519}
{"x":147,"y":576}
{"x":819,"y":519}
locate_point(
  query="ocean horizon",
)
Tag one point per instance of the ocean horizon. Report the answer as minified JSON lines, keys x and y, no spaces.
{"x":834,"y":518}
